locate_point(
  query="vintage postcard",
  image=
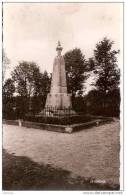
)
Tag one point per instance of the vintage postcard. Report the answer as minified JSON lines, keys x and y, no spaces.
{"x":62,"y":96}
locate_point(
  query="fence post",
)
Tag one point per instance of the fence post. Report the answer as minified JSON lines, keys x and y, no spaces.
{"x":20,"y":123}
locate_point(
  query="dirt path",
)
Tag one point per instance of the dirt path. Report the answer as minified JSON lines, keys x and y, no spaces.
{"x":92,"y":152}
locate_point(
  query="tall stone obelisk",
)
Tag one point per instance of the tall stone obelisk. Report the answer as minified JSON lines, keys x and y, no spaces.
{"x":58,"y":96}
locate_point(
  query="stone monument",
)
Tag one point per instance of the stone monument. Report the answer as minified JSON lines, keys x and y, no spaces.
{"x":58,"y":96}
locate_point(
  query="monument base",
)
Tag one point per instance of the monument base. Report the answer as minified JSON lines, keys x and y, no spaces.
{"x":57,"y":112}
{"x":58,"y":104}
{"x":59,"y":100}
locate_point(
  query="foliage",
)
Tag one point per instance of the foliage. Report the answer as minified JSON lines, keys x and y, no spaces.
{"x":6,"y":62}
{"x":8,"y":88}
{"x":25,"y":75}
{"x":105,"y":66}
{"x":75,"y":71}
{"x":90,"y":64}
{"x":107,"y":79}
{"x":64,"y":120}
{"x":8,"y":108}
{"x":79,"y":104}
{"x":31,"y":85}
{"x":99,"y":104}
{"x":42,"y":87}
{"x":8,"y":103}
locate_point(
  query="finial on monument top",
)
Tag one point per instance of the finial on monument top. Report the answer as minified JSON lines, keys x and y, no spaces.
{"x":59,"y":46}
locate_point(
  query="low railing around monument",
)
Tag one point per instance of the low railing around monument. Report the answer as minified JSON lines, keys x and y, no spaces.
{"x":61,"y":116}
{"x":57,"y":112}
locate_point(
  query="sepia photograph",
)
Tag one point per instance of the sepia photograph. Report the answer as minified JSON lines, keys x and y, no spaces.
{"x":61,"y":96}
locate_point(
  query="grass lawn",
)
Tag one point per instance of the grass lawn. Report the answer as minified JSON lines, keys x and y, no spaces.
{"x":20,"y":173}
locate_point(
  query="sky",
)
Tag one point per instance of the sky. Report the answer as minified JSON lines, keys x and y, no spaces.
{"x":31,"y":30}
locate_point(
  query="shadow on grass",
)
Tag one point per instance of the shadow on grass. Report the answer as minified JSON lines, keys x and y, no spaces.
{"x":20,"y":173}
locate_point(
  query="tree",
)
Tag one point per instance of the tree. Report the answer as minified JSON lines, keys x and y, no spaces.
{"x":42,"y":85}
{"x":8,"y":88}
{"x":106,"y":67}
{"x":107,"y":72}
{"x":94,"y":103}
{"x":6,"y":63}
{"x":25,"y":76}
{"x":31,"y":85}
{"x":8,"y":103}
{"x":90,"y":64}
{"x":75,"y":71}
{"x":42,"y":88}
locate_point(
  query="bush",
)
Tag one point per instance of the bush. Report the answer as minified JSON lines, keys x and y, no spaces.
{"x":63,"y":120}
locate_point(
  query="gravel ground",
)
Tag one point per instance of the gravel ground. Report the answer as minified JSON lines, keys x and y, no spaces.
{"x":89,"y":153}
{"x":20,"y":173}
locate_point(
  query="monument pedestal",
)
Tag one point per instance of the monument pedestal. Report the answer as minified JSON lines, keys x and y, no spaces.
{"x":59,"y":100}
